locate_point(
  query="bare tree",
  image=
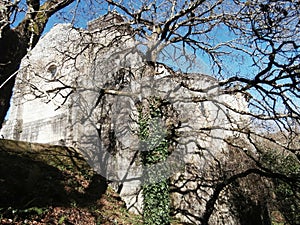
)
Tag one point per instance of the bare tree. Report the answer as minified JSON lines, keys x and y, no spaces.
{"x":257,"y":55}
{"x":253,"y":50}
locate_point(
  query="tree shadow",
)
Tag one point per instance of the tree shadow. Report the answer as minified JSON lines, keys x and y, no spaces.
{"x":26,"y":182}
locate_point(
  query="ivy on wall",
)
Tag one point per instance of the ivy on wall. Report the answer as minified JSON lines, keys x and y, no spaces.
{"x":154,"y":144}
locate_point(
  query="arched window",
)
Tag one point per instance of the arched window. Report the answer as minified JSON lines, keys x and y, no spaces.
{"x":52,"y":70}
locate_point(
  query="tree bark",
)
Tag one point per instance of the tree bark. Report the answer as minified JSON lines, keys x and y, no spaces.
{"x":12,"y":51}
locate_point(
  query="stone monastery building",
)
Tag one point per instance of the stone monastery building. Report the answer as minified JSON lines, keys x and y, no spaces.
{"x":80,"y":88}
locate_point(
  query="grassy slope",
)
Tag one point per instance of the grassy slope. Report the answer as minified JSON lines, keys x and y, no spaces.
{"x":43,"y":184}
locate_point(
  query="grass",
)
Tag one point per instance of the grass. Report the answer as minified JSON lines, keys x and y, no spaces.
{"x":44,"y":184}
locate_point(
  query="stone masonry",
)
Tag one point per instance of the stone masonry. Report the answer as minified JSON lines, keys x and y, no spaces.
{"x":80,"y":88}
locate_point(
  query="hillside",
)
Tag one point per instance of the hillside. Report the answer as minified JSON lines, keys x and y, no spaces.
{"x":43,"y":184}
{"x":46,"y":184}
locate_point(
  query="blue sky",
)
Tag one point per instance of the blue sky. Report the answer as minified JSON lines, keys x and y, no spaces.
{"x":235,"y":63}
{"x":85,"y":11}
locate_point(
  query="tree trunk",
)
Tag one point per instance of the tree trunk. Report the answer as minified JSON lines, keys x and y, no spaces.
{"x":5,"y":96}
{"x":12,"y":51}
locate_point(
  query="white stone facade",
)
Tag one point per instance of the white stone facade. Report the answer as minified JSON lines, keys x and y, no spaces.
{"x":59,"y":99}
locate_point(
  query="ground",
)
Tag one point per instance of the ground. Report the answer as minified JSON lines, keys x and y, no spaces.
{"x":44,"y":184}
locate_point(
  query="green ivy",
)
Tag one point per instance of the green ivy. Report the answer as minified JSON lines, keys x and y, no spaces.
{"x":287,"y":194}
{"x":155,"y":149}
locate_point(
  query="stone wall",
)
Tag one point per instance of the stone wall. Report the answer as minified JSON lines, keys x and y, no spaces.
{"x":75,"y":89}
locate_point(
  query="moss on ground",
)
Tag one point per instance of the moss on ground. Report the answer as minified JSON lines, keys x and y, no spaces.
{"x":44,"y":184}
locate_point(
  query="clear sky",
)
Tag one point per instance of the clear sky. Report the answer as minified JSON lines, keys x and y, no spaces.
{"x":234,"y":63}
